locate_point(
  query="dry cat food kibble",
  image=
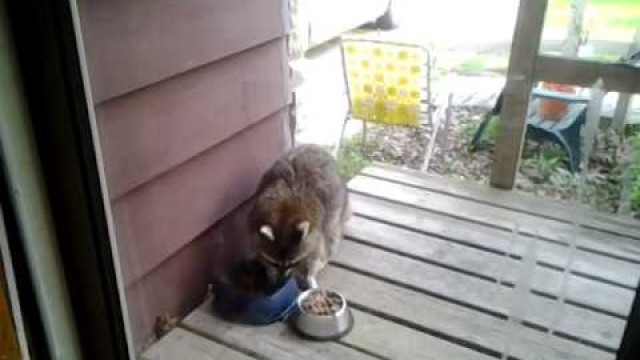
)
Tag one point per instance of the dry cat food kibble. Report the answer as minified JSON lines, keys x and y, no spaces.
{"x":322,"y":303}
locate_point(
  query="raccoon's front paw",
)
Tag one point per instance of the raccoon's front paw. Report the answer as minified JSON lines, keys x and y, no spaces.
{"x":307,"y":283}
{"x":312,"y":282}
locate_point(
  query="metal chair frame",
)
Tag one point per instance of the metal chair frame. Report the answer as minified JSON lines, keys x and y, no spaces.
{"x":427,"y":99}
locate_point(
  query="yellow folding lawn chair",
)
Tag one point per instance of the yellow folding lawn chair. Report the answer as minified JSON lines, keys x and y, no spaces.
{"x":387,"y":83}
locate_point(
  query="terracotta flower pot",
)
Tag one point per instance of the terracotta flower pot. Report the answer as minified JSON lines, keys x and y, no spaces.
{"x":552,"y":109}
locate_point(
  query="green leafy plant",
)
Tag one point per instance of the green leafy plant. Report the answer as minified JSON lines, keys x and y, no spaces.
{"x":635,"y":173}
{"x":351,"y":160}
{"x":469,"y":129}
{"x":473,"y":65}
{"x":493,"y":129}
{"x":563,"y":178}
{"x":544,"y":163}
{"x":607,"y":145}
{"x":635,"y":194}
{"x":542,"y":167}
{"x":631,"y":130}
{"x":489,"y":135}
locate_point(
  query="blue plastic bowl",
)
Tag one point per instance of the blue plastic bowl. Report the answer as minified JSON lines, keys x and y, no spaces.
{"x":237,"y":306}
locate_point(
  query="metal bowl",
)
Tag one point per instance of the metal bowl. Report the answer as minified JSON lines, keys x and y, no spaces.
{"x":323,"y":327}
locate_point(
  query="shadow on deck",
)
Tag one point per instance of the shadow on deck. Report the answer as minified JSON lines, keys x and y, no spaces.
{"x":433,"y":270}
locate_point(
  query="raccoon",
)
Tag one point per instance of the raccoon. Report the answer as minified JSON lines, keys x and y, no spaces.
{"x":299,"y":213}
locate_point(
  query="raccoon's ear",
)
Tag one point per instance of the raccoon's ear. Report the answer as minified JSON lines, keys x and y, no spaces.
{"x":267,"y":232}
{"x":303,"y":227}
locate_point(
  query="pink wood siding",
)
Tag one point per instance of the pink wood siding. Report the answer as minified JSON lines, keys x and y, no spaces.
{"x":160,"y":217}
{"x":132,"y":44}
{"x":191,"y":102}
{"x":186,"y":272}
{"x":198,"y":109}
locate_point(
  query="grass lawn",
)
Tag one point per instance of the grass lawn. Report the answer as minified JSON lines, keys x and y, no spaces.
{"x":484,"y":62}
{"x":605,"y":20}
{"x":611,"y":20}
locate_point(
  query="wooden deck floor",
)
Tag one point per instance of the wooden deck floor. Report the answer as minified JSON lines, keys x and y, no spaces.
{"x":432,"y":270}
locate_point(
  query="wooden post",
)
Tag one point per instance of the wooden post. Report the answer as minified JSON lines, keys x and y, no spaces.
{"x":592,"y":123}
{"x":585,"y":73}
{"x":624,"y":99}
{"x":574,"y":32}
{"x":524,"y":50}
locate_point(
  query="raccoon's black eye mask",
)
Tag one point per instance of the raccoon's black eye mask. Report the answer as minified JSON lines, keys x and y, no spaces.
{"x":279,"y":264}
{"x":266,"y":231}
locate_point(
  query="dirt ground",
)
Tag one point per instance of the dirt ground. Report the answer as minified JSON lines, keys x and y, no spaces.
{"x":543,"y":171}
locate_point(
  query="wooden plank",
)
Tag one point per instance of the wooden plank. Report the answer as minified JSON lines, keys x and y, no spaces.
{"x":601,"y":330}
{"x":617,"y":77}
{"x":155,"y":220}
{"x":541,"y":93}
{"x":609,"y":244}
{"x":132,"y":45}
{"x":179,"y":282}
{"x":275,"y":341}
{"x":494,"y":240}
{"x":497,"y":241}
{"x":182,"y":344}
{"x":514,"y":200}
{"x":489,"y":266}
{"x":372,"y":334}
{"x":148,"y":132}
{"x":517,"y":91}
{"x":395,"y":341}
{"x":450,"y":320}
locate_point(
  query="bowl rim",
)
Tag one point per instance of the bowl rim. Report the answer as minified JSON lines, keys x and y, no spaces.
{"x":226,"y":285}
{"x":303,"y":295}
{"x":250,"y":304}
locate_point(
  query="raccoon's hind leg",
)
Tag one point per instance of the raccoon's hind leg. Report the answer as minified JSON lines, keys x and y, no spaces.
{"x":334,"y":232}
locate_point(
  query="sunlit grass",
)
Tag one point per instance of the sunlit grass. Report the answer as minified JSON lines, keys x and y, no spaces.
{"x":482,"y":62}
{"x":611,"y":20}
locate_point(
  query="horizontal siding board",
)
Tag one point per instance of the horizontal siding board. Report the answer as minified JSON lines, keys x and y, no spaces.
{"x":157,"y":219}
{"x":176,"y":286}
{"x":179,"y":283}
{"x":131,"y":44}
{"x":148,"y":132}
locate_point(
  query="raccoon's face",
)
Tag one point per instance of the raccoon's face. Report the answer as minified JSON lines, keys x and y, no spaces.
{"x":284,"y":246}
